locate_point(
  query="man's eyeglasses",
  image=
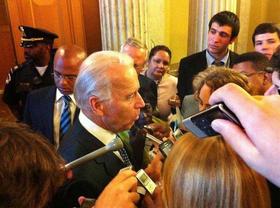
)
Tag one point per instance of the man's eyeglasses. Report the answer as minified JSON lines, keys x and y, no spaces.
{"x":66,"y":77}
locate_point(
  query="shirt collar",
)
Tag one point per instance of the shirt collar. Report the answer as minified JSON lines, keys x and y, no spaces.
{"x":41,"y":69}
{"x":101,"y":134}
{"x":211,"y":59}
{"x":59,"y":95}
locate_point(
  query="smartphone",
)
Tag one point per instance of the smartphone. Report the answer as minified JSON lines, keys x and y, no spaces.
{"x":200,"y":123}
{"x":146,"y":181}
{"x":165,"y":147}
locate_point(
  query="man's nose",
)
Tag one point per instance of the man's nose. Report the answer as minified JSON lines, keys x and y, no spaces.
{"x":216,"y":37}
{"x":62,"y":80}
{"x":161,"y":65}
{"x":264,"y":46}
{"x":26,"y":50}
{"x":140,"y":102}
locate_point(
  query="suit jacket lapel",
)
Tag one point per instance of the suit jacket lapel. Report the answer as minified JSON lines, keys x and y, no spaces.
{"x":109,"y":161}
{"x":77,"y":111}
{"x":50,"y":102}
{"x":204,"y":60}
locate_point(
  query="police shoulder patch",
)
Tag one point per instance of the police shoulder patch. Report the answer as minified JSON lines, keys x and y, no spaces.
{"x":10,"y":74}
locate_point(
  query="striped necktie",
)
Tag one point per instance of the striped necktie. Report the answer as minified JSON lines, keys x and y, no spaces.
{"x":124,"y":136}
{"x":218,"y":63}
{"x":125,"y":157}
{"x":65,"y":119}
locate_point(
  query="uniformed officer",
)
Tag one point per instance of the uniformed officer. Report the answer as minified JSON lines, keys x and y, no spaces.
{"x":36,"y":72}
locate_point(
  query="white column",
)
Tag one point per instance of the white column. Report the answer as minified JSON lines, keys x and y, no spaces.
{"x":121,"y":19}
{"x":200,"y":14}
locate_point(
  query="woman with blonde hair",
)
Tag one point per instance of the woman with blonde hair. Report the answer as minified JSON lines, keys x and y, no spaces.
{"x":208,"y":173}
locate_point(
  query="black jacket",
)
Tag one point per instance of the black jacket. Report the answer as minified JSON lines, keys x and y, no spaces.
{"x":191,"y":66}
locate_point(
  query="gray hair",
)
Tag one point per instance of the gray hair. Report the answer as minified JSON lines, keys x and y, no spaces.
{"x":134,"y":43}
{"x":93,"y":78}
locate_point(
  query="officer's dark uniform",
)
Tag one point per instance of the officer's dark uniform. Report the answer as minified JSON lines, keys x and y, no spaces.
{"x":24,"y":78}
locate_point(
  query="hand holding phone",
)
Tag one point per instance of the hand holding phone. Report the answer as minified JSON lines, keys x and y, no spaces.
{"x":200,"y":123}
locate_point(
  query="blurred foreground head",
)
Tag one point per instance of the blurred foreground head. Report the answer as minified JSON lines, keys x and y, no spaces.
{"x":208,"y":173}
{"x":30,"y":171}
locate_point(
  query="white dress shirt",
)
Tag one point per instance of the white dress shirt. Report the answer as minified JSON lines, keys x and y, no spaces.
{"x":101,"y":134}
{"x":210,"y":59}
{"x":41,"y":69}
{"x":58,"y":108}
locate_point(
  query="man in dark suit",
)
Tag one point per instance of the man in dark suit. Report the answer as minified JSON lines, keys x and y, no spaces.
{"x":34,"y":73}
{"x":138,"y":52}
{"x":106,"y":92}
{"x":223,"y":30}
{"x":44,"y":107}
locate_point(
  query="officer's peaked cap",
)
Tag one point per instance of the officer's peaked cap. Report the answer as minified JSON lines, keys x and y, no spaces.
{"x":31,"y":36}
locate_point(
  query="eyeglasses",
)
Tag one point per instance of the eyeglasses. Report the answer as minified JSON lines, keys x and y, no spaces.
{"x":66,"y":77}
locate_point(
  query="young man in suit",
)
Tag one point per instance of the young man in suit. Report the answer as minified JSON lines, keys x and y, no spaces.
{"x":223,"y":30}
{"x":106,"y":92}
{"x":44,"y":107}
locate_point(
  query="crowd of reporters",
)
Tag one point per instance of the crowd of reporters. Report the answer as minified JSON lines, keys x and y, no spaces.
{"x":91,"y":100}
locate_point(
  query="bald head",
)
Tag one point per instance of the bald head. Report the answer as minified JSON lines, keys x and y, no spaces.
{"x":67,"y":61}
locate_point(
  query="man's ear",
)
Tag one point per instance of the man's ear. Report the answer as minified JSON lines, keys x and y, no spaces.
{"x":232,"y":40}
{"x":268,"y":77}
{"x":96,"y":105}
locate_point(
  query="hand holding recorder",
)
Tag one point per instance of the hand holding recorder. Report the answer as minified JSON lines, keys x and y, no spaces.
{"x":120,"y":192}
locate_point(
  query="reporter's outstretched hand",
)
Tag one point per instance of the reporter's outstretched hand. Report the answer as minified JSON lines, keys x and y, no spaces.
{"x":259,"y":142}
{"x":120,"y":192}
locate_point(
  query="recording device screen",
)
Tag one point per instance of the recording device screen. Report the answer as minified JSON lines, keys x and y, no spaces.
{"x":146,"y":181}
{"x":200,"y":123}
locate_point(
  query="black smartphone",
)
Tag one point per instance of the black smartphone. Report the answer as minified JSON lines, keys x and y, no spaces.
{"x":165,"y":147}
{"x":200,"y":123}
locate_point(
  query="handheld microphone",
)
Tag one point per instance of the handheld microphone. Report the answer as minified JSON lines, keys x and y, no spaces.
{"x":114,"y":145}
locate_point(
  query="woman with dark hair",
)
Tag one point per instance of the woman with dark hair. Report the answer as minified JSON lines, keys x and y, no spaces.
{"x":158,"y":66}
